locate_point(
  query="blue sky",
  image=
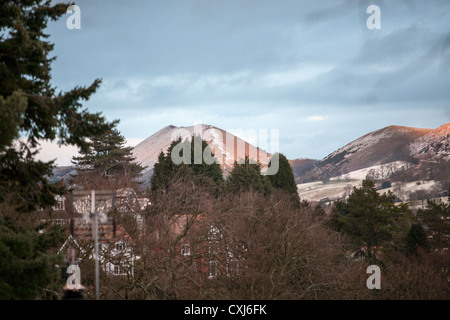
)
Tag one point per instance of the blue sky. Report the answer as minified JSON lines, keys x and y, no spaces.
{"x":311,"y":69}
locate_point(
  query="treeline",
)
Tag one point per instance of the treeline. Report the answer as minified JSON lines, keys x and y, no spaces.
{"x":244,"y":237}
{"x":32,"y":110}
{"x":246,"y":174}
{"x":248,"y":237}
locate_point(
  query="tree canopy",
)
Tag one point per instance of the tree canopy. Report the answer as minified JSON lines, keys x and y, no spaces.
{"x":369,"y":218}
{"x":31,"y":110}
{"x":246,"y":176}
{"x":107,"y":161}
{"x":205,"y":172}
{"x":284,"y":178}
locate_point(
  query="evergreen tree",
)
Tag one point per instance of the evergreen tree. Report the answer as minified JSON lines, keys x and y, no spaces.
{"x":370,"y":218}
{"x":107,"y":160}
{"x":26,"y":265}
{"x":247,"y":176}
{"x":284,"y":178}
{"x":30,"y":108}
{"x":436,"y":218}
{"x":340,"y":210}
{"x":203,"y":173}
{"x":211,"y":170}
{"x":416,"y":238}
{"x":164,"y":170}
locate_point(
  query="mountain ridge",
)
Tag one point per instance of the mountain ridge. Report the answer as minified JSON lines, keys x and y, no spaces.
{"x":418,"y":147}
{"x":147,"y":151}
{"x":389,"y":144}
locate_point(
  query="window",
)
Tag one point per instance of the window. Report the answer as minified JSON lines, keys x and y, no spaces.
{"x":117,"y":270}
{"x":60,"y":205}
{"x":185,"y":249}
{"x":120,"y":269}
{"x":213,"y":269}
{"x":59,"y":222}
{"x":120,"y":246}
{"x":213,"y":247}
{"x":233,"y":267}
{"x":213,"y":241}
{"x":213,"y":233}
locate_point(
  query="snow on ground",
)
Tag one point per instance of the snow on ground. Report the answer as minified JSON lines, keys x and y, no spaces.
{"x":332,"y":190}
{"x":340,"y":187}
{"x":383,"y":171}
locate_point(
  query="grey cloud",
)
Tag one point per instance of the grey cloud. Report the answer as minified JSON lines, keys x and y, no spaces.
{"x":328,"y":12}
{"x":179,"y":59}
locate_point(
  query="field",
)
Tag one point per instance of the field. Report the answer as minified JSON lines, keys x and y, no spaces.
{"x":340,"y":187}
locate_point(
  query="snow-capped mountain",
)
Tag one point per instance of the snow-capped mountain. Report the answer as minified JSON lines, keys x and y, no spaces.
{"x":387,"y":145}
{"x":226,"y":146}
{"x":415,"y":151}
{"x":433,"y":145}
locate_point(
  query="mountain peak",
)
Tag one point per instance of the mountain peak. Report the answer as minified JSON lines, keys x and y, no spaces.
{"x":435,"y":143}
{"x":381,"y":146}
{"x":148,"y":150}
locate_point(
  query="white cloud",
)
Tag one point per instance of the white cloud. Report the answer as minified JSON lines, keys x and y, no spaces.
{"x":316,"y":118}
{"x":294,"y":76}
{"x":50,"y":150}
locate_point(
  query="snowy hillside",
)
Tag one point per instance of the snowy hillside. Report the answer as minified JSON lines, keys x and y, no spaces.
{"x":416,"y":157}
{"x":435,"y":144}
{"x":327,"y":192}
{"x":387,"y":145}
{"x":226,"y":146}
{"x":378,"y":172}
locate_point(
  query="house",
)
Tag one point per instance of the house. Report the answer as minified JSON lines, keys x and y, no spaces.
{"x":116,"y":248}
{"x":199,"y":240}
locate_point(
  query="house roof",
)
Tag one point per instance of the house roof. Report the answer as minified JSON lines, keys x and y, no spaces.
{"x":82,"y":235}
{"x":67,"y":244}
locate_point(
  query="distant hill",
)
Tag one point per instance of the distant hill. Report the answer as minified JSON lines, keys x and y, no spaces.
{"x":420,"y":148}
{"x":416,"y":153}
{"x":300,"y":167}
{"x":62,"y":173}
{"x":432,"y":146}
{"x":148,"y":150}
{"x":224,"y":145}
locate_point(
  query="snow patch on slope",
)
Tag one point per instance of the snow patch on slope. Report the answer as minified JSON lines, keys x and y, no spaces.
{"x":383,"y":171}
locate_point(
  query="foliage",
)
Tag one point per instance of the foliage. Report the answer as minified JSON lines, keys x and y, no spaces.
{"x":109,"y":160}
{"x":31,"y":107}
{"x":284,"y":178}
{"x":370,"y":219}
{"x":26,"y":265}
{"x":203,"y":173}
{"x":436,"y":218}
{"x":246,"y":176}
{"x":416,"y":238}
{"x":31,"y":110}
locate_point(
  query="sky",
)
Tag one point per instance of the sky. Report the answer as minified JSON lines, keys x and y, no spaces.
{"x":311,"y":69}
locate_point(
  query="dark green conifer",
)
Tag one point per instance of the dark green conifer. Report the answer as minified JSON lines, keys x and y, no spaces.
{"x":108,"y":159}
{"x":202,"y":173}
{"x":32,"y":109}
{"x":284,"y":178}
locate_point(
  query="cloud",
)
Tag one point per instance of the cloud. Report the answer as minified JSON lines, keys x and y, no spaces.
{"x":328,"y":12}
{"x":197,"y":89}
{"x":237,"y":64}
{"x":316,"y":118}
